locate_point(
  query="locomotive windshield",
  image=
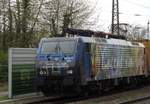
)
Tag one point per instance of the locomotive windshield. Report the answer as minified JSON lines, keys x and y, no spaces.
{"x":52,"y":47}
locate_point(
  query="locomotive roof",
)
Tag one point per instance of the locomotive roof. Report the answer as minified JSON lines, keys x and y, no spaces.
{"x":97,"y":40}
{"x":59,"y":38}
{"x":111,"y":41}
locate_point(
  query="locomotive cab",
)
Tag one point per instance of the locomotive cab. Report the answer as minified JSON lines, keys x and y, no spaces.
{"x":59,"y":62}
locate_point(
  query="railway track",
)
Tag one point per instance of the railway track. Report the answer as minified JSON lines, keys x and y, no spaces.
{"x":110,"y":95}
{"x":60,"y":99}
{"x":135,"y":96}
{"x":141,"y":100}
{"x":45,"y":100}
{"x":72,"y":98}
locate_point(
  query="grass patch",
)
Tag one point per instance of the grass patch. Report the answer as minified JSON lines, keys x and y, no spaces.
{"x":3,"y":86}
{"x":3,"y":98}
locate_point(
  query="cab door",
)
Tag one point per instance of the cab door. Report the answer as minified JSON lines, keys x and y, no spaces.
{"x":87,"y":61}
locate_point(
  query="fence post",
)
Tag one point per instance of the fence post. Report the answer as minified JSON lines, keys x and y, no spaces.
{"x":10,"y":73}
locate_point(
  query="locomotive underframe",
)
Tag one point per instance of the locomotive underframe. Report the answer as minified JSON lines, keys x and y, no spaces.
{"x":57,"y":86}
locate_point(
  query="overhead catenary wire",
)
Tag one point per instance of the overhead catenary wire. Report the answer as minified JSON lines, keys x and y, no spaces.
{"x":137,"y":4}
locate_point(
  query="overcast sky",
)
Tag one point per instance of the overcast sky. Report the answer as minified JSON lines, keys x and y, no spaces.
{"x":128,"y":10}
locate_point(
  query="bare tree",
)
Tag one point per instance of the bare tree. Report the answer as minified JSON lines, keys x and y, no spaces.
{"x":24,"y":22}
{"x":59,"y":14}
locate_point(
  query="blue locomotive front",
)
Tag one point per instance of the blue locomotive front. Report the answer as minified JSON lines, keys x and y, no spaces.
{"x":59,"y":63}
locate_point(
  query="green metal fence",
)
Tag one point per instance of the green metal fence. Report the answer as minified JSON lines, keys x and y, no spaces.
{"x":22,"y":71}
{"x":23,"y":77}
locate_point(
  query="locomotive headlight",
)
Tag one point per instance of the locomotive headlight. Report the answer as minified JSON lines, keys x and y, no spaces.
{"x":41,"y":73}
{"x":69,"y":71}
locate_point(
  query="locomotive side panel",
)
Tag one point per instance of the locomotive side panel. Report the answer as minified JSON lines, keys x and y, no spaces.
{"x":120,"y":61}
{"x":115,"y":61}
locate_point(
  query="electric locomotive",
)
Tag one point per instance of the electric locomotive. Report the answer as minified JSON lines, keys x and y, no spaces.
{"x":82,"y":62}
